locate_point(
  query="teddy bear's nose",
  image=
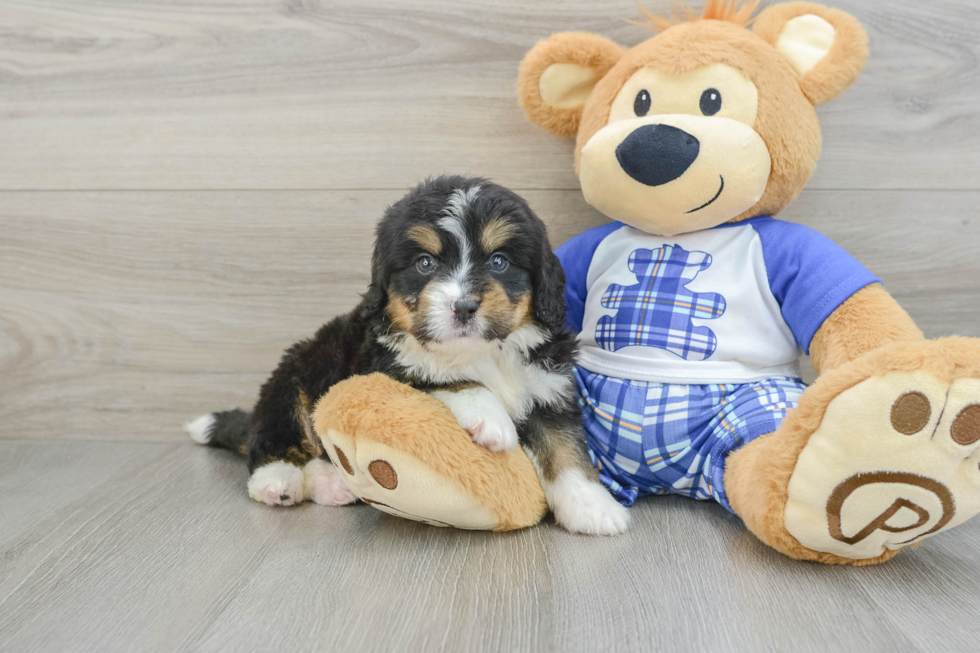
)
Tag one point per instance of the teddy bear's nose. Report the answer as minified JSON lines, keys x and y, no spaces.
{"x":656,"y":154}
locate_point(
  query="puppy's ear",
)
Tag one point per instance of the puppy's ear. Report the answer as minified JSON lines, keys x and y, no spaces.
{"x":375,"y":300}
{"x":549,"y":292}
{"x":826,"y":47}
{"x":558,"y":75}
{"x":376,"y":297}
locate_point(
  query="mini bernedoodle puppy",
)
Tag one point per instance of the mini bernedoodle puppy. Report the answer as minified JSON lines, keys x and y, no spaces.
{"x":466,"y":302}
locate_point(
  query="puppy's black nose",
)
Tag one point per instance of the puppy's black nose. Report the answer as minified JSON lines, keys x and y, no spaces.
{"x":465,"y":309}
{"x":656,"y":154}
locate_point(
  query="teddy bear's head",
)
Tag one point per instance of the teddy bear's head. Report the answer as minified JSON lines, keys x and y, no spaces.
{"x":707,"y":122}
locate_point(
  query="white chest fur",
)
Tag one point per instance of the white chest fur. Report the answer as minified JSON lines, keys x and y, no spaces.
{"x":500,"y":366}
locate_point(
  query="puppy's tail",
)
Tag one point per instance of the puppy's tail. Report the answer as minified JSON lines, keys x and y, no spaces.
{"x":227,"y":429}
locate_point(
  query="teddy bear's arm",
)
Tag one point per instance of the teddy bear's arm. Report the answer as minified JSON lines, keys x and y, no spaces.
{"x":869,"y":319}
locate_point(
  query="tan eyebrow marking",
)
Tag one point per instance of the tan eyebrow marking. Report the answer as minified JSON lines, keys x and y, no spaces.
{"x":497,"y":232}
{"x":427,"y":238}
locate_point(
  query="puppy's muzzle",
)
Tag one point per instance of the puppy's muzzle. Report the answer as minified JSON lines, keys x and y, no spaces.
{"x":465,"y":310}
{"x":657,"y":154}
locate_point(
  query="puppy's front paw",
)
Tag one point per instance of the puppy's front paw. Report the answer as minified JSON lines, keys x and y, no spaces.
{"x":277,"y":484}
{"x":495,"y":432}
{"x":323,"y":484}
{"x":584,"y":506}
{"x":481,"y":415}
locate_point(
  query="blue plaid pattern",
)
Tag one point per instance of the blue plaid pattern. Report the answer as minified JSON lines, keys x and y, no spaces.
{"x":652,"y":438}
{"x":657,"y":311}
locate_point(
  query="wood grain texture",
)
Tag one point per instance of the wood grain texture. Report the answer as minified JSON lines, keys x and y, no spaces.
{"x":308,"y":94}
{"x":124,"y":314}
{"x":156,"y":547}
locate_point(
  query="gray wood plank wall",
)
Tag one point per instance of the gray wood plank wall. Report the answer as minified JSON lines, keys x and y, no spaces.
{"x":188,"y":187}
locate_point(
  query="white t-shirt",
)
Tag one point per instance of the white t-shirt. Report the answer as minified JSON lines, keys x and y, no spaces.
{"x":733,"y":304}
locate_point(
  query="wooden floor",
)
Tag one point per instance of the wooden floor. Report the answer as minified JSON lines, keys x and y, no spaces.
{"x":187,"y":187}
{"x":111,"y":546}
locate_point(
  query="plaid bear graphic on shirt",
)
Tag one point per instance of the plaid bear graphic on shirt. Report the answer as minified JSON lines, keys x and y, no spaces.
{"x":657,"y":311}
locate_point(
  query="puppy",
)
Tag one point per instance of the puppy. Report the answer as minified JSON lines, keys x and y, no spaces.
{"x":466,"y":302}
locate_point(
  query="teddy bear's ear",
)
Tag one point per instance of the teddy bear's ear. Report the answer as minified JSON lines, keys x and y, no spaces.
{"x":826,"y":47}
{"x":558,"y":75}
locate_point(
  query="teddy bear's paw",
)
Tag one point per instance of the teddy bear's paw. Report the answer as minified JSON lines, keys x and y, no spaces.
{"x":895,"y":459}
{"x":323,"y":484}
{"x":481,"y":415}
{"x":277,"y":484}
{"x":584,"y":506}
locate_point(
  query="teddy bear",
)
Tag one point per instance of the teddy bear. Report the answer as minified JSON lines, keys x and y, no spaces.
{"x":694,"y":305}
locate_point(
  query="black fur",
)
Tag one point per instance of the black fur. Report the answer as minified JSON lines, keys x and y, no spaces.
{"x":549,"y":292}
{"x":230,"y":430}
{"x":279,"y":427}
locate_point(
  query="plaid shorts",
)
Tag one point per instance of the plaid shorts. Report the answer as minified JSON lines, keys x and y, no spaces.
{"x":654,"y":438}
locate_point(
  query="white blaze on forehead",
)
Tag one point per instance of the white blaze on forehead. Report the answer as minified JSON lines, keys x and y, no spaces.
{"x":453,"y":220}
{"x":455,"y":210}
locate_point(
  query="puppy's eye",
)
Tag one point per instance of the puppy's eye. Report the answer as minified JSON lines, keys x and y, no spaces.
{"x":641,"y":105}
{"x":710,"y":102}
{"x":425,"y":264}
{"x":498,"y":263}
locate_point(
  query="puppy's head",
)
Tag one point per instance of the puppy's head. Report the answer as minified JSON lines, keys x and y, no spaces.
{"x":461,"y":258}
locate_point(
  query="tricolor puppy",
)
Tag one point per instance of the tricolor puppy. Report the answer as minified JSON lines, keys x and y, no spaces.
{"x":466,"y":302}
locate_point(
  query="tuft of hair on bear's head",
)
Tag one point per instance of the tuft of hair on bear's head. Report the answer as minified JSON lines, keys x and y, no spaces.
{"x":706,"y":121}
{"x":730,"y":11}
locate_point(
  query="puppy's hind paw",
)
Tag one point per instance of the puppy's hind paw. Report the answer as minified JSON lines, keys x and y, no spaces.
{"x":277,"y":484}
{"x":323,"y":484}
{"x":584,"y":506}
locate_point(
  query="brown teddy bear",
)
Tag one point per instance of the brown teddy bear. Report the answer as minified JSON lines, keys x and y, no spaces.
{"x":695,"y":305}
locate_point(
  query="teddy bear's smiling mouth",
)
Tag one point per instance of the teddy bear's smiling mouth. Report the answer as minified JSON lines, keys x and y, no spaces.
{"x":717,"y":195}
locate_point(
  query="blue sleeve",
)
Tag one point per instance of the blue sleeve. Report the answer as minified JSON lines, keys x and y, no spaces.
{"x":809,"y":275}
{"x":575,"y":257}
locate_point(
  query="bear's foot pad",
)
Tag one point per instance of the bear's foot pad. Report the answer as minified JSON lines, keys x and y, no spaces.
{"x":896,"y":459}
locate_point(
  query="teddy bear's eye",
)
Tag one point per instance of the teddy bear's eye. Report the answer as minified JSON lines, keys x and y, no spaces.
{"x":710,"y":102}
{"x":641,"y":105}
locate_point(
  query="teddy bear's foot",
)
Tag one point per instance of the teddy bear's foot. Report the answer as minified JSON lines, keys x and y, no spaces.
{"x":403,"y":452}
{"x":881,"y":453}
{"x":277,"y":484}
{"x":895,"y":460}
{"x":323,"y":484}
